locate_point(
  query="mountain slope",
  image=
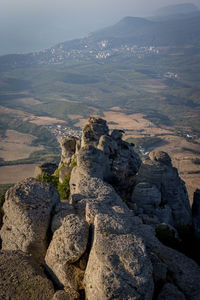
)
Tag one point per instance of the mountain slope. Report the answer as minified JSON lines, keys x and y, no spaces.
{"x":141,"y":31}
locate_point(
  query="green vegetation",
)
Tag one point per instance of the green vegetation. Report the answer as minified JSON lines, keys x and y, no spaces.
{"x":34,"y":157}
{"x":43,"y":137}
{"x":64,"y":187}
{"x":136,"y":85}
{"x":47,"y":178}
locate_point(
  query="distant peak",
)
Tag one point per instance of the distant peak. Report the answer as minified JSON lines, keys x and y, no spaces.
{"x":183,"y":8}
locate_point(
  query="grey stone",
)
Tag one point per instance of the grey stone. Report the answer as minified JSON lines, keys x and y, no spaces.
{"x":61,"y":210}
{"x":117,"y":134}
{"x":68,"y":147}
{"x":181,"y":269}
{"x":147,"y":197}
{"x":68,"y":244}
{"x":63,"y":172}
{"x":161,"y":157}
{"x":22,"y":279}
{"x":159,"y":269}
{"x":46,"y":167}
{"x":27,"y":209}
{"x":67,"y":294}
{"x":174,"y":207}
{"x":170,"y":292}
{"x":93,"y":130}
{"x":118,"y":266}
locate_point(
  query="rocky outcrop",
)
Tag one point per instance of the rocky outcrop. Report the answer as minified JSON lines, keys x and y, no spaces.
{"x":68,"y":244}
{"x":93,"y":130}
{"x":69,"y":146}
{"x":196,"y":213}
{"x":46,"y":167}
{"x":22,"y":279}
{"x":180,"y":270}
{"x":27,"y":214}
{"x":169,"y":291}
{"x":118,"y":266}
{"x":162,"y":191}
{"x":95,"y":246}
{"x":67,"y":294}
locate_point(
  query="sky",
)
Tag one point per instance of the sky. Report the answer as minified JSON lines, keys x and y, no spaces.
{"x":31,"y":25}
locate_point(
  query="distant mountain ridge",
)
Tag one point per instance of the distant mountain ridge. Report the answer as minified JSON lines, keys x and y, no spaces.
{"x":172,"y":30}
{"x":183,"y":8}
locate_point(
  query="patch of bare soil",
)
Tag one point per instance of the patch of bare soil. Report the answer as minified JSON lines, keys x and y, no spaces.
{"x":14,"y":174}
{"x":29,"y":101}
{"x":44,"y":120}
{"x":17,"y":145}
{"x":30,"y":117}
{"x":74,"y":117}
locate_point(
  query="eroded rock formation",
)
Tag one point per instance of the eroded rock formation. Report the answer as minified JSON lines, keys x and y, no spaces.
{"x":94,"y":245}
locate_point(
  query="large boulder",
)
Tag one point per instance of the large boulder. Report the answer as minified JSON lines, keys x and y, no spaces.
{"x":158,"y":172}
{"x":182,"y":271}
{"x":118,"y":266}
{"x":61,"y":210}
{"x":68,"y":244}
{"x":170,"y":292}
{"x":94,"y":128}
{"x":46,"y":167}
{"x":22,"y":279}
{"x":27,"y":214}
{"x":67,"y":294}
{"x":69,"y":147}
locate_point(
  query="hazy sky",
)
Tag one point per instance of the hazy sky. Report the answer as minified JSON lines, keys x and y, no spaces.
{"x":27,"y":25}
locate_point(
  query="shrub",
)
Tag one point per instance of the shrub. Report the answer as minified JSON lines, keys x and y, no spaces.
{"x":64,"y":188}
{"x":51,"y":179}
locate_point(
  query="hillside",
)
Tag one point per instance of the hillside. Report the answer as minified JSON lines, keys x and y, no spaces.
{"x":143,"y":75}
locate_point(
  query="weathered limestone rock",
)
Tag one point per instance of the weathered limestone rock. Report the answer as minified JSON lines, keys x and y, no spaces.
{"x":161,"y":157}
{"x":93,"y":162}
{"x":67,"y":294}
{"x":159,"y":269}
{"x":110,"y":271}
{"x":170,"y":292}
{"x":61,"y":210}
{"x":181,"y":270}
{"x":27,"y":209}
{"x":93,"y":130}
{"x":147,"y":197}
{"x":46,"y":167}
{"x":22,"y":279}
{"x":68,"y":244}
{"x":174,"y":207}
{"x":68,"y":146}
{"x":63,"y":172}
{"x":196,"y":213}
{"x":118,"y":266}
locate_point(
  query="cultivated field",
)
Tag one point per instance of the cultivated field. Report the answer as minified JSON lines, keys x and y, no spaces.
{"x":14,"y":174}
{"x":183,"y":152}
{"x":17,"y":145}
